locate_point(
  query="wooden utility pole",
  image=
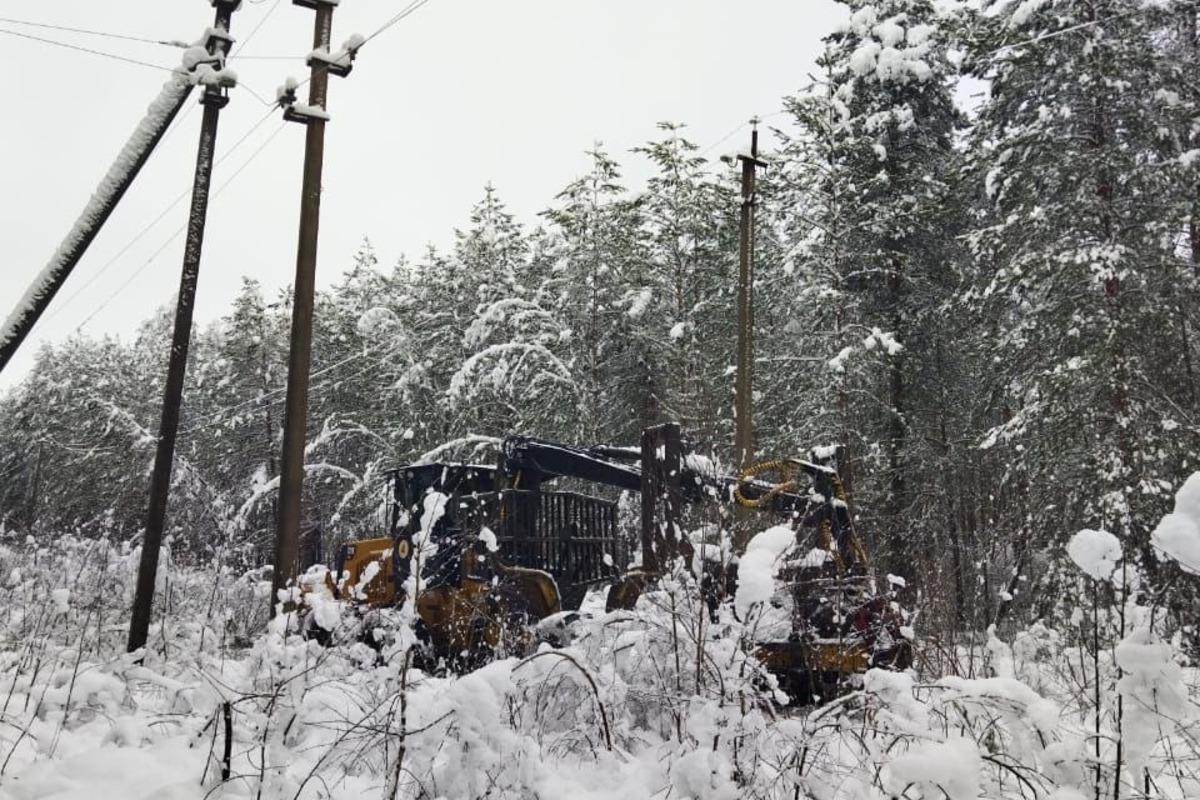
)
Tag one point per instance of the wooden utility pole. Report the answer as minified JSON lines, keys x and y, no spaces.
{"x":295,"y":428}
{"x":214,"y":99}
{"x":743,"y":406}
{"x":743,"y":400}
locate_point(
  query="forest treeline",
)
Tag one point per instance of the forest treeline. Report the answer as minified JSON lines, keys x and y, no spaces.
{"x":991,"y":303}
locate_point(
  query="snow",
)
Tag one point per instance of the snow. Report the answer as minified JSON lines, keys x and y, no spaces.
{"x":1095,"y":552}
{"x":757,"y":568}
{"x":1024,"y":12}
{"x":704,"y":775}
{"x":890,"y":32}
{"x":865,"y":58}
{"x":488,"y":537}
{"x":369,"y":573}
{"x":1187,"y":499}
{"x":377,"y":322}
{"x":287,"y":89}
{"x":1156,"y":696}
{"x":700,"y":464}
{"x":824,"y":452}
{"x":919,"y":34}
{"x":677,"y":330}
{"x":816,"y":558}
{"x":313,"y":112}
{"x":615,"y":712}
{"x":62,"y":600}
{"x":883,"y":339}
{"x":325,"y":609}
{"x":838,"y":362}
{"x":948,"y":769}
{"x":1177,"y":536}
{"x":640,"y":302}
{"x":433,"y":508}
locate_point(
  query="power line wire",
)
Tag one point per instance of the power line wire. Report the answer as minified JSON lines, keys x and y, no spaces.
{"x":179,"y":230}
{"x":113,"y":56}
{"x":1065,"y":31}
{"x":407,"y":11}
{"x":124,"y":37}
{"x":257,"y":28}
{"x":149,"y":226}
{"x":723,"y":139}
{"x":411,"y":8}
{"x":314,"y":390}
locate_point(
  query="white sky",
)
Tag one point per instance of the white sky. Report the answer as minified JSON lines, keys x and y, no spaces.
{"x":461,"y":93}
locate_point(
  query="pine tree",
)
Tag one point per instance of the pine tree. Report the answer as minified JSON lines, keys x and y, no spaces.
{"x":690,"y":264}
{"x":594,"y":281}
{"x":1079,"y":249}
{"x":870,"y":173}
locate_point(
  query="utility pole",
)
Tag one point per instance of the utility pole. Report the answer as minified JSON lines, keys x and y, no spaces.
{"x":743,"y":407}
{"x":295,"y":427}
{"x":743,"y":401}
{"x":214,"y":99}
{"x":99,"y":208}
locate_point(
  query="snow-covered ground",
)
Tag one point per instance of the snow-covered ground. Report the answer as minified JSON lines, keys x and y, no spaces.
{"x":661,"y":702}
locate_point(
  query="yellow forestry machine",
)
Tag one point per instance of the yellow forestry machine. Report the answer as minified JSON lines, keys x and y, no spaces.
{"x":504,"y":550}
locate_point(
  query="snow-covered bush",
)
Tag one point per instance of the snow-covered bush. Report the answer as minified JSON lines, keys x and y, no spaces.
{"x":665,"y":700}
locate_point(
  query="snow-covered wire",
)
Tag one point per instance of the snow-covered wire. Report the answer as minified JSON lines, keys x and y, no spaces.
{"x":220,"y":416}
{"x":102,"y":53}
{"x":741,"y":127}
{"x":761,"y":118}
{"x":407,"y":11}
{"x":105,"y":34}
{"x":179,"y":230}
{"x":1070,"y":29}
{"x":254,"y":32}
{"x":411,"y":8}
{"x":272,"y":58}
{"x":59,"y":307}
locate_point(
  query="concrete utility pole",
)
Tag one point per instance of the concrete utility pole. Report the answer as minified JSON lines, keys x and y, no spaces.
{"x":743,"y":407}
{"x":214,"y":99}
{"x":295,"y":428}
{"x":99,"y":208}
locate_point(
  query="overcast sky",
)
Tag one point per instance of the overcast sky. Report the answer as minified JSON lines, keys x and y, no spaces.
{"x":461,"y":93}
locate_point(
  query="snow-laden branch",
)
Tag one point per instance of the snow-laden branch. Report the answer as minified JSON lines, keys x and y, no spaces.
{"x":470,"y":439}
{"x":265,"y":488}
{"x":509,"y":358}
